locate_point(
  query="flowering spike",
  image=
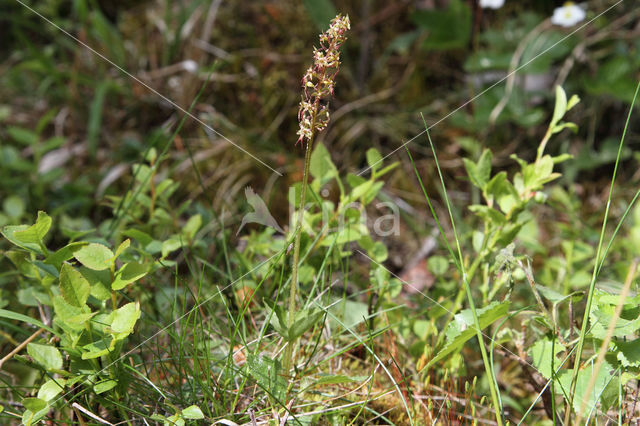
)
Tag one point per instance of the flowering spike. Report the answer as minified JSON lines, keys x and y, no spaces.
{"x":319,"y":80}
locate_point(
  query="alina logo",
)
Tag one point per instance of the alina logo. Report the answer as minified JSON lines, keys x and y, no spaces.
{"x":260,"y":213}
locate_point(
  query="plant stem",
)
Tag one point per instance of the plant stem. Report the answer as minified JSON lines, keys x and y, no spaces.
{"x":288,"y":354}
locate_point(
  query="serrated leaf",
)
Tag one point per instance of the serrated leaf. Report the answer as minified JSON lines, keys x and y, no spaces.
{"x":47,"y":356}
{"x":94,"y":256}
{"x":74,"y":287}
{"x":462,"y":328}
{"x":605,"y":389}
{"x":129,"y":273}
{"x":628,"y":353}
{"x":543,"y":354}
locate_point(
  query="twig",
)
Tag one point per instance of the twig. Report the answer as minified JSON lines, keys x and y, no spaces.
{"x":20,"y":347}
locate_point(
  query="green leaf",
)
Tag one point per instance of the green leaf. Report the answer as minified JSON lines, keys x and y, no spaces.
{"x":23,"y":136}
{"x":462,"y":328}
{"x":104,"y":386}
{"x":445,"y":29}
{"x":305,"y":319}
{"x":560,"y":107}
{"x":124,"y":319}
{"x":628,"y":352}
{"x":479,"y":172}
{"x":36,"y":409}
{"x":51,"y":388}
{"x":374,"y":159}
{"x":13,"y":206}
{"x":191,"y":227}
{"x":605,"y":389}
{"x":602,"y":314}
{"x":34,"y":404}
{"x":23,"y":318}
{"x":266,"y":372}
{"x":438,"y":265}
{"x":95,"y":116}
{"x":359,"y":192}
{"x":321,"y":12}
{"x":347,"y":234}
{"x":140,"y":236}
{"x":349,"y":313}
{"x":47,"y":356}
{"x":29,"y":237}
{"x":378,"y":252}
{"x":543,"y":353}
{"x":129,"y":273}
{"x":94,"y":256}
{"x":62,"y":255}
{"x":489,"y":214}
{"x":97,"y":349}
{"x":192,"y":412}
{"x":170,"y":245}
{"x":74,"y":287}
{"x":334,"y":380}
{"x":321,"y":167}
{"x":72,"y":316}
{"x":122,"y":247}
{"x":36,"y":232}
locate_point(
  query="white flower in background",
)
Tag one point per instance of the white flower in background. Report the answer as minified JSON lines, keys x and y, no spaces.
{"x":491,"y":4}
{"x":568,"y":15}
{"x":190,"y":65}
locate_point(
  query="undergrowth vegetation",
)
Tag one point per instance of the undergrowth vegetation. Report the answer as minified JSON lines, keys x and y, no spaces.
{"x":171,"y":255}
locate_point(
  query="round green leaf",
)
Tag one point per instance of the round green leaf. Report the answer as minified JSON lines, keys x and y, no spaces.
{"x":129,"y":273}
{"x":51,"y":389}
{"x":47,"y":356}
{"x":34,"y":404}
{"x":13,"y":206}
{"x":124,"y":319}
{"x":94,"y":256}
{"x":192,"y":412}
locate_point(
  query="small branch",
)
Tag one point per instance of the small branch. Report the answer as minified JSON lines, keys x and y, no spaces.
{"x":20,"y":347}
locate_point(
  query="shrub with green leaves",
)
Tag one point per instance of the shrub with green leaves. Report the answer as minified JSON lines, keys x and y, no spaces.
{"x":83,"y":283}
